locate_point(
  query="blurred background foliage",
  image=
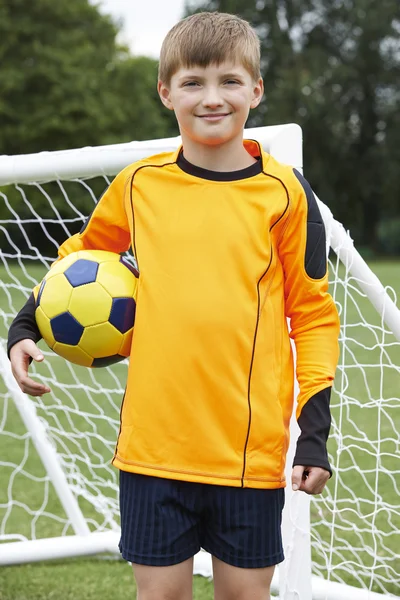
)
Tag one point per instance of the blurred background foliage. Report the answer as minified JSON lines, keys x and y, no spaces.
{"x":333,"y":66}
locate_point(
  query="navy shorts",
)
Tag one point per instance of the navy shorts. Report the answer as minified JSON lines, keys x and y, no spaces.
{"x":164,"y":522}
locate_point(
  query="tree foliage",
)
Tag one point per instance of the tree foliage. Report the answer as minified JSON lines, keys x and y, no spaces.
{"x":66,"y":83}
{"x":333,"y":66}
{"x":141,"y":114}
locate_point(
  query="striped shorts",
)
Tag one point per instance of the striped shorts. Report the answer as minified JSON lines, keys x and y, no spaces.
{"x":164,"y":522}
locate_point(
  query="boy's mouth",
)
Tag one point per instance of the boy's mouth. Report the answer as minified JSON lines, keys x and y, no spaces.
{"x":213,"y":116}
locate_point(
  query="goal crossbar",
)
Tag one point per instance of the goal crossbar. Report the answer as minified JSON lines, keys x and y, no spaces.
{"x":62,"y":164}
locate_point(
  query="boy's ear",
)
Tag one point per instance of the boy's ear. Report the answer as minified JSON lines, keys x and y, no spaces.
{"x":258,"y":92}
{"x":164,"y":93}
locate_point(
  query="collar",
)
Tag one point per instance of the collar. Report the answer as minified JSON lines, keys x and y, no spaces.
{"x":252,"y":148}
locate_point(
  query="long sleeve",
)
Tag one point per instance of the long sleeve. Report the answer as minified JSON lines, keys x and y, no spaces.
{"x":24,"y":325}
{"x":107,"y":228}
{"x":314,"y":322}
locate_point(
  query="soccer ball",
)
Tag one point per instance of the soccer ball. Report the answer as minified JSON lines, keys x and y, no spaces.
{"x":85,"y":307}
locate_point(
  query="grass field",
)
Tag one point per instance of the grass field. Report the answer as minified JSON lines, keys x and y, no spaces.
{"x":88,"y":579}
{"x":366,"y":515}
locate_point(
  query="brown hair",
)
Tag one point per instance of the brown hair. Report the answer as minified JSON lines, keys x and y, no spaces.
{"x":207,"y":38}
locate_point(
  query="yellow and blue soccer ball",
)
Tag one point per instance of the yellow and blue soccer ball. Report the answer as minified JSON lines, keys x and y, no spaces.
{"x":85,"y":307}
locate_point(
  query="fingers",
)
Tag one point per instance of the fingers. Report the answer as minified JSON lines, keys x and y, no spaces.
{"x":31,"y":387}
{"x":297,"y":477}
{"x":20,"y":356}
{"x":33,"y":351}
{"x":310,"y":480}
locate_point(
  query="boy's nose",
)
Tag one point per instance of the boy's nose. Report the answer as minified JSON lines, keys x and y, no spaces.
{"x":212,"y":98}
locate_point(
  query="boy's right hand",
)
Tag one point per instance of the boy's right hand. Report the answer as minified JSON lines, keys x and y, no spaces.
{"x":20,"y":355}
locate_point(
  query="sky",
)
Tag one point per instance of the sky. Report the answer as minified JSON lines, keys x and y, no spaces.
{"x":144,"y":22}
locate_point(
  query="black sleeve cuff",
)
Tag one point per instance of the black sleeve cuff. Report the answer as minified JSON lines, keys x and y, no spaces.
{"x":314,"y":423}
{"x":24,"y":325}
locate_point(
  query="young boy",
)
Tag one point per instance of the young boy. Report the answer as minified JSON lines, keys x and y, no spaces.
{"x":229,"y":243}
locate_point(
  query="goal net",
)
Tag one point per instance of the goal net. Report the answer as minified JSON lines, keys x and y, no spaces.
{"x":58,"y":491}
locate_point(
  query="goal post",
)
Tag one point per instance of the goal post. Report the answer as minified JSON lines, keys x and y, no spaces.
{"x":58,"y":491}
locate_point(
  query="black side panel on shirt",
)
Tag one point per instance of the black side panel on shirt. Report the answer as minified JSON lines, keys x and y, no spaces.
{"x":24,"y":325}
{"x":315,"y":259}
{"x":315,"y":423}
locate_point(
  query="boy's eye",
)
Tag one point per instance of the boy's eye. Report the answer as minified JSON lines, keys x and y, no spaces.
{"x":190,"y":84}
{"x":232,"y":82}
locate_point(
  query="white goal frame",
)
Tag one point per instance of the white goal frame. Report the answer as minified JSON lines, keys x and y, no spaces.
{"x":293,"y":579}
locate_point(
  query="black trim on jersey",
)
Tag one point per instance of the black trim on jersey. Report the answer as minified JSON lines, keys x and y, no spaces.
{"x":315,"y":259}
{"x":187,"y":167}
{"x":24,"y":325}
{"x":257,"y":323}
{"x":314,"y":422}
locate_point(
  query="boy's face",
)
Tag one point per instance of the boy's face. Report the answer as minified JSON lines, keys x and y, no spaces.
{"x":211,"y":103}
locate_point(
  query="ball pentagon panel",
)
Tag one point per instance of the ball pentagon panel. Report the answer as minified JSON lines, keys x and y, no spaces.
{"x":81,"y":272}
{"x":66,"y":329}
{"x":122,"y":314}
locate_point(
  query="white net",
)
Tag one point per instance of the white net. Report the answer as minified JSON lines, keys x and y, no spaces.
{"x":81,"y":415}
{"x":355,"y":523}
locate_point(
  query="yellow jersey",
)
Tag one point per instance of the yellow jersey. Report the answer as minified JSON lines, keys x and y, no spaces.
{"x":225,"y":260}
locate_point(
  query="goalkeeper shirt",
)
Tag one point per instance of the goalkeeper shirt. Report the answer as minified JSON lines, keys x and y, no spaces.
{"x":225,"y":260}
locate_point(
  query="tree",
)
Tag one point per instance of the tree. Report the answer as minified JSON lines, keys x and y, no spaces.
{"x":54,"y":60}
{"x":358,"y":93}
{"x":333,"y":66}
{"x":141,"y":115}
{"x":66,"y":83}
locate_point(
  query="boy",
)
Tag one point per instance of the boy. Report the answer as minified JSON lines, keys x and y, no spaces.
{"x":229,"y":243}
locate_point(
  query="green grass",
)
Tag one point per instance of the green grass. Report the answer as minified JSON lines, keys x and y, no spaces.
{"x":88,"y":579}
{"x":91,"y":405}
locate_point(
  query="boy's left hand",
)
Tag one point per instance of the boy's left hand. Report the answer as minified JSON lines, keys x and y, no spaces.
{"x":310,"y":480}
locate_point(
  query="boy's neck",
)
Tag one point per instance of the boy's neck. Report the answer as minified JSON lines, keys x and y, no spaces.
{"x":223,"y":158}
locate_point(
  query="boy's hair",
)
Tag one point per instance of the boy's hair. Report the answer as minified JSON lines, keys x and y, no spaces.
{"x":209,"y":38}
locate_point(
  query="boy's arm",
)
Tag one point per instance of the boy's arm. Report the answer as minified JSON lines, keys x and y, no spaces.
{"x":24,"y":325}
{"x":314,"y":327}
{"x":107,"y":228}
